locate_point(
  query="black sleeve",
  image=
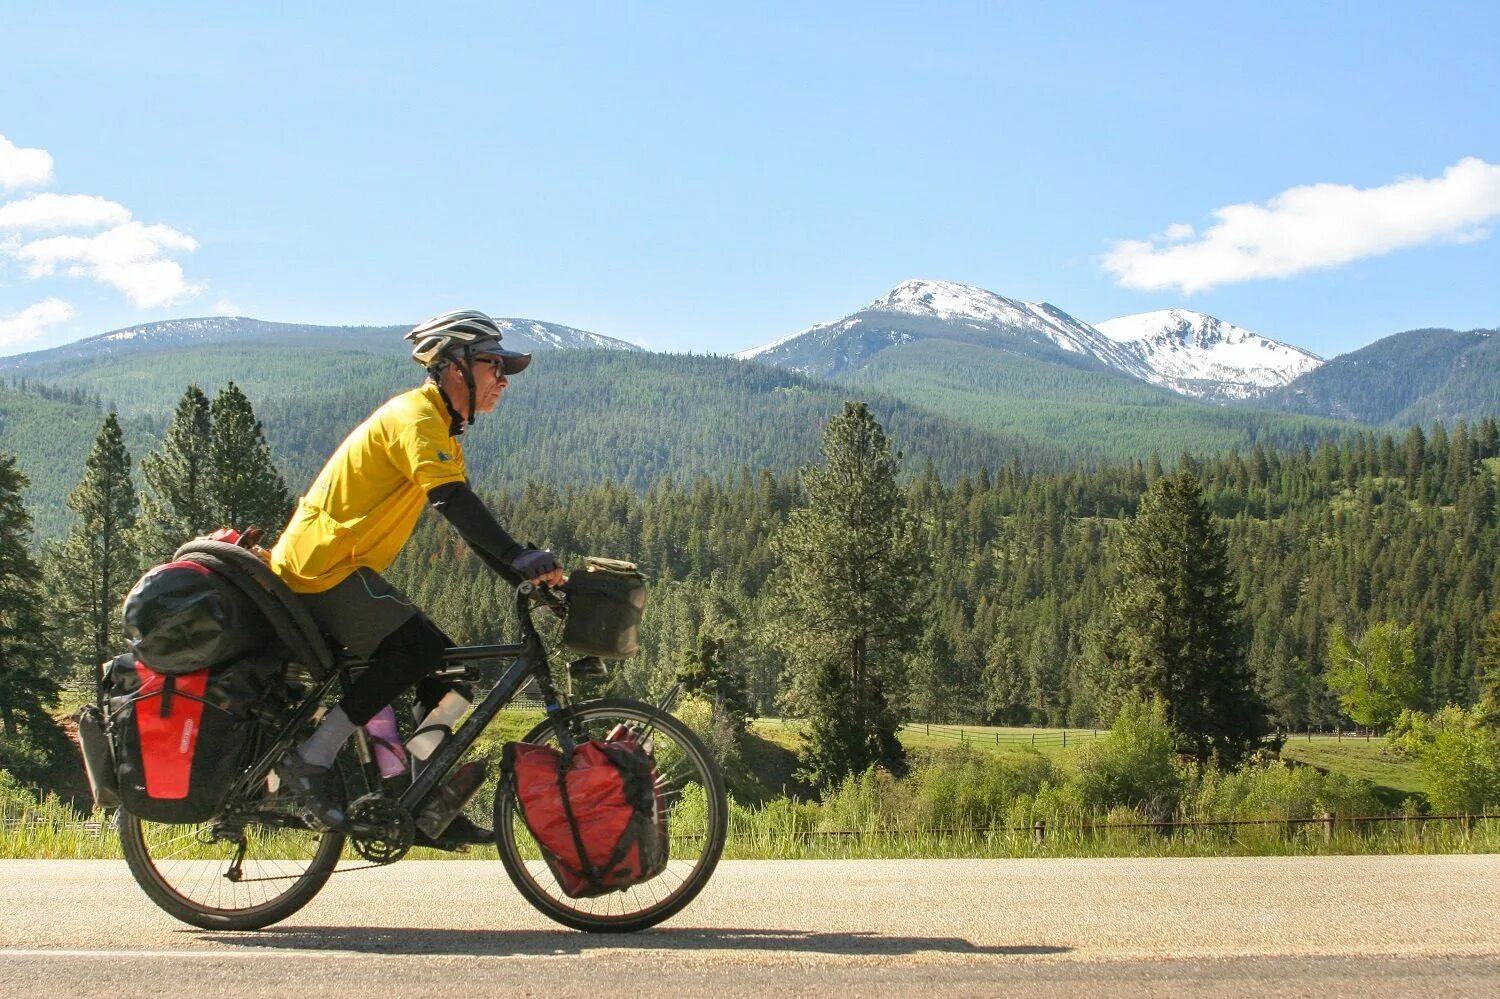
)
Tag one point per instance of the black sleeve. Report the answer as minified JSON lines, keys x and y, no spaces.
{"x":462,"y":507}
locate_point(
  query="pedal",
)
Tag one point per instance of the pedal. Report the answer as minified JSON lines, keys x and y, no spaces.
{"x":588,"y":666}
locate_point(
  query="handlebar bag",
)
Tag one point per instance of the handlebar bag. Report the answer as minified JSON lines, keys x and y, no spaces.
{"x":597,"y":815}
{"x":605,"y":604}
{"x":181,"y":617}
{"x":180,"y":739}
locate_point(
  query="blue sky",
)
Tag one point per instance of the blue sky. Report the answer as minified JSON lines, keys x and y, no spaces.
{"x":704,"y":179}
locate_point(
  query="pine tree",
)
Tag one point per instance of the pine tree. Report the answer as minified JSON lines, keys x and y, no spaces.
{"x":1176,"y":627}
{"x":178,"y":504}
{"x":94,"y":567}
{"x":1487,"y":666}
{"x":247,"y":489}
{"x":850,"y":575}
{"x":28,"y":683}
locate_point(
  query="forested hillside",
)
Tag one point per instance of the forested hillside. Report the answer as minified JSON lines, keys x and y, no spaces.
{"x":589,"y":416}
{"x":1102,"y":413}
{"x":1377,"y":529}
{"x":1413,"y":377}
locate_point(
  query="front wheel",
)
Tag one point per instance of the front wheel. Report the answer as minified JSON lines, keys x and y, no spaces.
{"x":692,"y":795}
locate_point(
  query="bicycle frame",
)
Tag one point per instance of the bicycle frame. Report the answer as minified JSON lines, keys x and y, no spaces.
{"x":529,"y":663}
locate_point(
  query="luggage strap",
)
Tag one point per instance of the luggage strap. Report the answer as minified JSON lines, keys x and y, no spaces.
{"x":628,"y":838}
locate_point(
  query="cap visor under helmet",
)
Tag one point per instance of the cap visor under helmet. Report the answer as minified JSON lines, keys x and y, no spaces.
{"x":512,"y":361}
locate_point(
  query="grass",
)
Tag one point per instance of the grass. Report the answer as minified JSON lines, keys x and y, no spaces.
{"x":763,"y":841}
{"x":1395,"y":777}
{"x":772,"y":817}
{"x":1054,"y":742}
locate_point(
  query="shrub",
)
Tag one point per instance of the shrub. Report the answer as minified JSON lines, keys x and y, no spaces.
{"x":1278,"y":792}
{"x":1136,"y":764}
{"x":872,"y":799}
{"x":963,"y":788}
{"x":715,"y":728}
{"x":1458,"y":756}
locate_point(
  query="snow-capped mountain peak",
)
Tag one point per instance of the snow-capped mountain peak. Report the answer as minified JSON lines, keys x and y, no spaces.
{"x":916,"y":310}
{"x":1199,"y":355}
{"x":947,"y":301}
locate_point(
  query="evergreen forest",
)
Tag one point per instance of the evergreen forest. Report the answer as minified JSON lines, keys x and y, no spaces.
{"x":1023,"y":566}
{"x":1020,"y":573}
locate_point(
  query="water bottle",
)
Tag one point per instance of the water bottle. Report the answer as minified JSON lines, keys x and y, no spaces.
{"x":451,"y":798}
{"x":438,"y":725}
{"x":390,"y":756}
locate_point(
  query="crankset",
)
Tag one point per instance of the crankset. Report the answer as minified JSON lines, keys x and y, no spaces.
{"x":380,"y":830}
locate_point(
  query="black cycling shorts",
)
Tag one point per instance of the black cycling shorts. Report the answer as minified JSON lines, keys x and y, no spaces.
{"x":361,"y":612}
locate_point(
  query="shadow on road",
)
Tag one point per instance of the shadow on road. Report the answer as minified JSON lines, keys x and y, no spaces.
{"x":517,"y":943}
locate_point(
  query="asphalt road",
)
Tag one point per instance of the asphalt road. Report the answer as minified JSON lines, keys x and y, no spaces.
{"x":1252,"y":926}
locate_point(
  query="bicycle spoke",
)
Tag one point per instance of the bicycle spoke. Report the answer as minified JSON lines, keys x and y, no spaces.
{"x":692,"y":807}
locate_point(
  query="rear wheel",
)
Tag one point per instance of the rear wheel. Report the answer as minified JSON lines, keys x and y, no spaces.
{"x":238,"y":875}
{"x":697,"y":820}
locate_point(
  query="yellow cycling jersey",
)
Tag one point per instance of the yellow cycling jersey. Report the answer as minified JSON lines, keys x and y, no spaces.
{"x":365,"y":503}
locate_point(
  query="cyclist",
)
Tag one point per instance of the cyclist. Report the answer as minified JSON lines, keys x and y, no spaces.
{"x":356,"y":517}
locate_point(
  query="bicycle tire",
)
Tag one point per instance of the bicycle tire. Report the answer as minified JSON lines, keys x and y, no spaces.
{"x":687,"y":763}
{"x":195,"y":889}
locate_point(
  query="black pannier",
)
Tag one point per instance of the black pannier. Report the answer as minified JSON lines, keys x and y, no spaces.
{"x":180,"y":739}
{"x":605,"y":601}
{"x":182,"y":617}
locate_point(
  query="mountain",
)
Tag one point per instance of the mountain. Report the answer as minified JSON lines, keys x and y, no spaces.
{"x":917,"y":311}
{"x":143,"y":369}
{"x":576,"y":417}
{"x":1413,"y":377}
{"x":520,"y":334}
{"x":1022,"y":369}
{"x":1204,"y":357}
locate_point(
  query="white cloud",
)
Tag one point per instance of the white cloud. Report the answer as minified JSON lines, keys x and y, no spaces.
{"x":52,"y":212}
{"x":33,"y":320}
{"x":1310,"y":227}
{"x":23,"y":168}
{"x":132,"y":258}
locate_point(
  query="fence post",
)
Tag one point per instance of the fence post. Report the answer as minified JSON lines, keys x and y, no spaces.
{"x":1065,"y":738}
{"x":1033,"y":740}
{"x":1039,"y":830}
{"x":929,"y":728}
{"x":997,"y":738}
{"x":1340,"y":731}
{"x":1328,"y":821}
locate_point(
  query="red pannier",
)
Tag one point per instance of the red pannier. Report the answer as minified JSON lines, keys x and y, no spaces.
{"x":597,"y":815}
{"x":179,"y":740}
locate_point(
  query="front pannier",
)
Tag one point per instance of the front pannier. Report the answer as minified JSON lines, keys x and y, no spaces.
{"x":596,"y":815}
{"x":605,"y":601}
{"x":181,"y":617}
{"x":179,"y":739}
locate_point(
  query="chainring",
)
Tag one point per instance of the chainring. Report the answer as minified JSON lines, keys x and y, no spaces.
{"x":380,"y":830}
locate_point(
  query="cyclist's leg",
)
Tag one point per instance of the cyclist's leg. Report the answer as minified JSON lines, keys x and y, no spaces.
{"x":373,"y":620}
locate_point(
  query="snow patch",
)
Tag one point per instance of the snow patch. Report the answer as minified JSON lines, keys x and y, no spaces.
{"x":1199,"y":355}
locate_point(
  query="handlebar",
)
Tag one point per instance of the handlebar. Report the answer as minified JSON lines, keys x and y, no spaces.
{"x":535,"y":594}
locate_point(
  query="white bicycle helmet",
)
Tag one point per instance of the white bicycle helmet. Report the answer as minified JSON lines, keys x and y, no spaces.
{"x":462,"y":334}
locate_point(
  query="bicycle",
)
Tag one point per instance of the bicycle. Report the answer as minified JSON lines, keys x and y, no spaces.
{"x":256,"y":861}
